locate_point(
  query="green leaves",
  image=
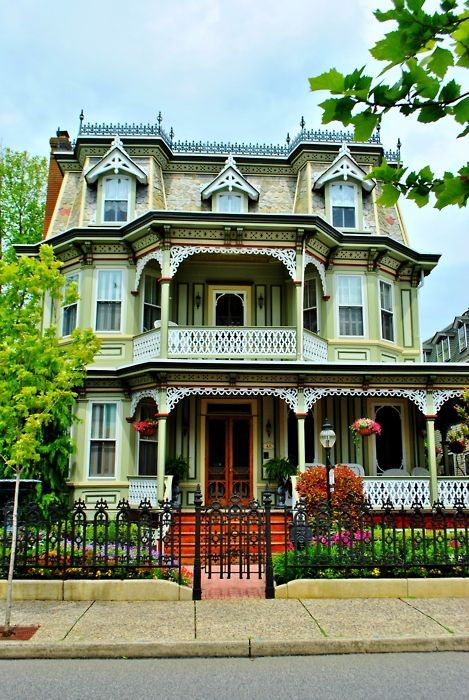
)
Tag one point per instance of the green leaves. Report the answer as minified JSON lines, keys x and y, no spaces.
{"x":426,"y":47}
{"x":38,"y":375}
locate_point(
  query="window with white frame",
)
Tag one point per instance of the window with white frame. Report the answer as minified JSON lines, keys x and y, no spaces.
{"x":116,"y":197}
{"x":387,"y":310}
{"x":151,"y":302}
{"x":462,"y":337}
{"x":344,"y":205}
{"x":70,"y":311}
{"x":443,"y":349}
{"x":350,"y":300}
{"x":103,"y":439}
{"x":109,"y":300}
{"x":231,"y":202}
{"x":310,"y":306}
{"x":147,"y":444}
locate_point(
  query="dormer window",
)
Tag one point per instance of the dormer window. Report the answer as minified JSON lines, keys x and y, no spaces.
{"x":116,"y":175}
{"x":345,"y":184}
{"x":344,"y":205}
{"x":230,"y":191}
{"x":116,"y":194}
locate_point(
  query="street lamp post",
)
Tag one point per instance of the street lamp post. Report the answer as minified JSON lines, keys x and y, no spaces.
{"x":327,"y":438}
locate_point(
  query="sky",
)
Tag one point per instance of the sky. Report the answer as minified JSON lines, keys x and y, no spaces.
{"x":218,"y":70}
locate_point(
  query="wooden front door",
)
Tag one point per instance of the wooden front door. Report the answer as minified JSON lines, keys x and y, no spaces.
{"x":228,"y":458}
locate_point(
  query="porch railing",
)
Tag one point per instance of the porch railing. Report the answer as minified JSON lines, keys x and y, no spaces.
{"x":405,"y":491}
{"x":143,"y":488}
{"x":247,"y":342}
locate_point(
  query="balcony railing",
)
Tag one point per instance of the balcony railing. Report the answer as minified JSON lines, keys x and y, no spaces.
{"x":145,"y":488}
{"x":222,"y":343}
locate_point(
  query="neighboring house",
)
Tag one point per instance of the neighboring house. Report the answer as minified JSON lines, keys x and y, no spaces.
{"x":450,"y":344}
{"x":242,"y":294}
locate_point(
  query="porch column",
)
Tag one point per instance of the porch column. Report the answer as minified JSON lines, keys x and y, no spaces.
{"x":165,"y":285}
{"x":301,"y":441}
{"x":161,"y":454}
{"x":431,"y":457}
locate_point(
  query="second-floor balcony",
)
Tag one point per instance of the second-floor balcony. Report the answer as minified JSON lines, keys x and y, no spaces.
{"x":250,"y":343}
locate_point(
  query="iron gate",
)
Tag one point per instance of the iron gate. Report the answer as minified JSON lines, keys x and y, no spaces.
{"x":233,"y":541}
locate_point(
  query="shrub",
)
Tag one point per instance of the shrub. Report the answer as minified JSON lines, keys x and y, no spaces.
{"x":348,"y":490}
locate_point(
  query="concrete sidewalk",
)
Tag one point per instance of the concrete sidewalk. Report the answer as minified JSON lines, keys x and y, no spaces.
{"x":238,"y":627}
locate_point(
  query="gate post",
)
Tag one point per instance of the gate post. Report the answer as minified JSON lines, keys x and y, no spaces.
{"x":269,"y":572}
{"x":196,"y":582}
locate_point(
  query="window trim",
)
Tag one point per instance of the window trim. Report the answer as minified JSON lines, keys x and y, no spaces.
{"x":311,"y":280}
{"x":443,"y":349}
{"x":387,"y":311}
{"x":213,"y":290}
{"x":121,"y":300}
{"x":358,"y":195}
{"x":155,"y":276}
{"x":69,"y":278}
{"x":462,"y":345}
{"x":116,"y":439}
{"x":362,"y":306}
{"x":131,"y":198}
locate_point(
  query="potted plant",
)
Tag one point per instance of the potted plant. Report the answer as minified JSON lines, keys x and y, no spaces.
{"x":146,"y":428}
{"x":280,"y":469}
{"x":362,"y":427}
{"x":456,"y":441}
{"x":178,"y":467}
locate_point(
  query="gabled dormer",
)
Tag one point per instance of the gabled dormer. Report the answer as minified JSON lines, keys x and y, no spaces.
{"x":116,"y":175}
{"x":230,"y":191}
{"x":344,"y":183}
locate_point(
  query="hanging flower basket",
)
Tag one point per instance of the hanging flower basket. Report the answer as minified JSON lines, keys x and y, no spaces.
{"x":457,"y":447}
{"x":146,"y":428}
{"x":363,"y":427}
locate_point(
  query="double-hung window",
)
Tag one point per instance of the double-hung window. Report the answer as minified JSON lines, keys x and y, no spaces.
{"x":70,"y":311}
{"x":344,"y":205}
{"x":387,"y":311}
{"x":151,"y":302}
{"x":310,"y":306}
{"x":116,"y":195}
{"x":443,"y":350}
{"x":109,"y":300}
{"x":350,"y":305}
{"x":462,"y":337}
{"x":103,"y":439}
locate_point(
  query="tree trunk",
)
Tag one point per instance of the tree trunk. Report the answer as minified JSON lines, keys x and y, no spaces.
{"x":14,"y":533}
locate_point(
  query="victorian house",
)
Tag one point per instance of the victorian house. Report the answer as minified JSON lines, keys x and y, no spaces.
{"x":242,"y":294}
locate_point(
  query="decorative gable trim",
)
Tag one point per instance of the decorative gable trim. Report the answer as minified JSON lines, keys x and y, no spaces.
{"x":344,"y":167}
{"x":230,"y":178}
{"x":115,"y":161}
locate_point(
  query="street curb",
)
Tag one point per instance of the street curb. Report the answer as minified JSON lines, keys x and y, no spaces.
{"x":220,"y":648}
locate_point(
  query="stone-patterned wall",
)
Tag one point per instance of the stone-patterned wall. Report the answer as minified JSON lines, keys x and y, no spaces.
{"x":183,"y":190}
{"x":68,"y":211}
{"x":277,"y":194}
{"x":301,"y":206}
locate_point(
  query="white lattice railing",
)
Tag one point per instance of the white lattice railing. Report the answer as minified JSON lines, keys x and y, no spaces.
{"x":142,"y":487}
{"x":314,"y":348}
{"x":405,"y":491}
{"x":232,"y":342}
{"x":147,"y":345}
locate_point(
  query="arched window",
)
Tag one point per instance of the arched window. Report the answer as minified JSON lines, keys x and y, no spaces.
{"x":229,"y":309}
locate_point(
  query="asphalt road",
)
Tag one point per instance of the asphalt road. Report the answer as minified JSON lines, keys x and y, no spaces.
{"x":442,"y":675}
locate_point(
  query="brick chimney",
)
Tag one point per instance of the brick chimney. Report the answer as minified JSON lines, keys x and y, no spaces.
{"x":59,"y":142}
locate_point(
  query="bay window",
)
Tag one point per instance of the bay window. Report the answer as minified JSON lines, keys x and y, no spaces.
{"x":103,"y":439}
{"x":350,"y":298}
{"x":109,"y":300}
{"x":70,"y":311}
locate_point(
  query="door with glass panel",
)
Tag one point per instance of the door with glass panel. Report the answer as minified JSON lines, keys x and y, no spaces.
{"x":228,"y":458}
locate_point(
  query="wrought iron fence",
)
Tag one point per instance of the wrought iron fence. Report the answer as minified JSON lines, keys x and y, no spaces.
{"x":366,"y":542}
{"x":82,"y":543}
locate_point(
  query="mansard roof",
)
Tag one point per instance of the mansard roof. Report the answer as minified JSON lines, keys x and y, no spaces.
{"x":116,"y":161}
{"x":230,"y":178}
{"x":344,"y":167}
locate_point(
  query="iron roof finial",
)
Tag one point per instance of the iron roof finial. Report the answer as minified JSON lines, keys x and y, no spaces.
{"x":302,"y":123}
{"x":288,"y":139}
